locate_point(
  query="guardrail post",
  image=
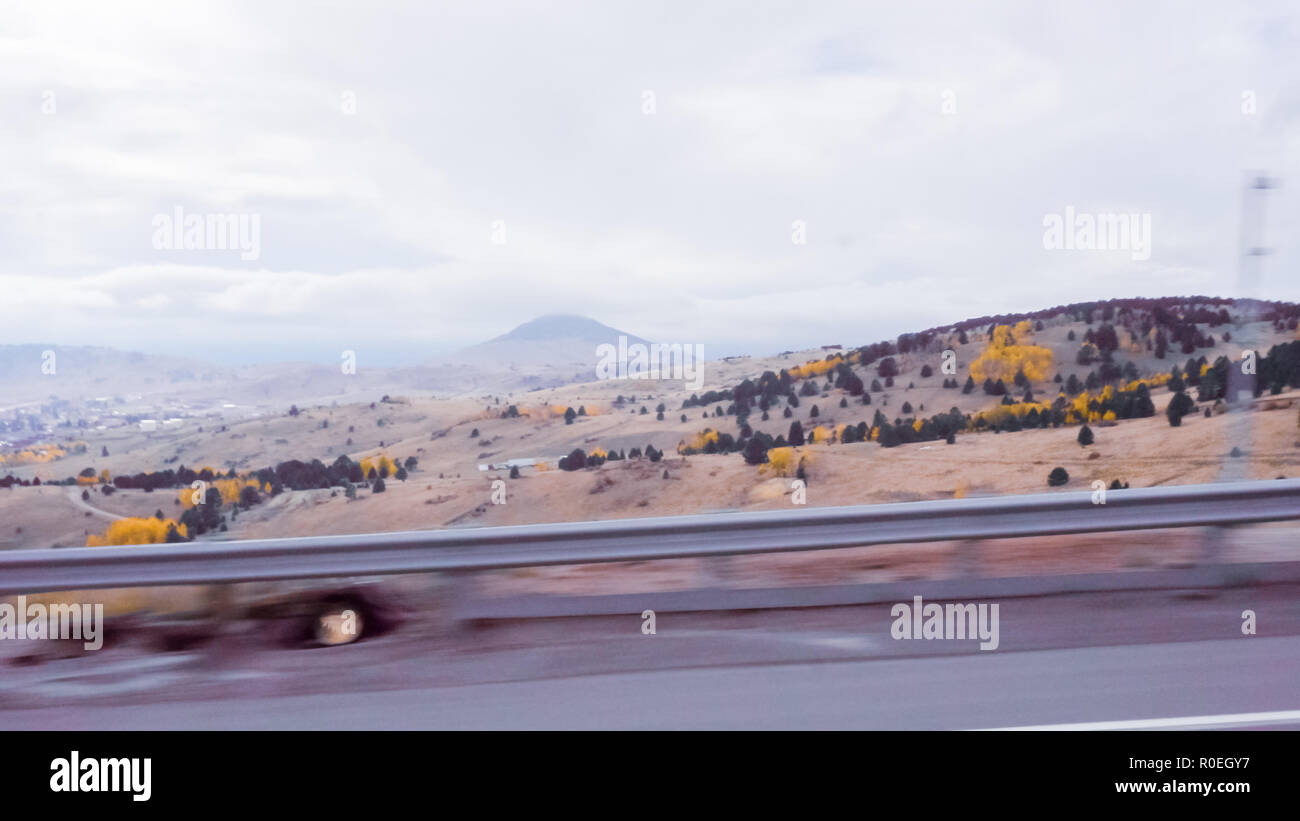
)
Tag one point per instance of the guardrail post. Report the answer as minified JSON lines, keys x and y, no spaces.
{"x":717,"y":570}
{"x":460,"y":590}
{"x":967,"y":558}
{"x":220,"y":604}
{"x":1214,"y":544}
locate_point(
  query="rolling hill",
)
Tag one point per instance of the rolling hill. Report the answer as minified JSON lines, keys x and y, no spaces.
{"x":1109,"y":363}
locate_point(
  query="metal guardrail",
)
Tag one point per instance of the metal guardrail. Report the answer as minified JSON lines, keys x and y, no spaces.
{"x":719,"y":534}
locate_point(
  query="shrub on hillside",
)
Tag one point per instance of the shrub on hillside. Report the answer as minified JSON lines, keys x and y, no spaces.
{"x":796,"y":434}
{"x":755,"y":453}
{"x":1179,"y":406}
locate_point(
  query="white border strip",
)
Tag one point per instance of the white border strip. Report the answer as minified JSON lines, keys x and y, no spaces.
{"x":1181,"y":723}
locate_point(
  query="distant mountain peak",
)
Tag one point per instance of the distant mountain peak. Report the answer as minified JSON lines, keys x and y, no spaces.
{"x":557,"y":348}
{"x":553,"y":327}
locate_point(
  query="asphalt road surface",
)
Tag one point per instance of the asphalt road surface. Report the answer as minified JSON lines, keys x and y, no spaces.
{"x":1225,"y":683}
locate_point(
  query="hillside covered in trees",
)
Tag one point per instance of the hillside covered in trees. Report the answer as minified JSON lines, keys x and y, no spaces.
{"x":994,"y":387}
{"x":1115,"y":357}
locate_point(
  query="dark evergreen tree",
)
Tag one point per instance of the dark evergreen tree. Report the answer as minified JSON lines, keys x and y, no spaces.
{"x":1209,"y":389}
{"x":1179,"y":406}
{"x":796,"y":434}
{"x":1175,"y":382}
{"x":889,"y":437}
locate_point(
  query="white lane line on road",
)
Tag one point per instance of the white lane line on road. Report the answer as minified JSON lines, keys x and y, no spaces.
{"x":1183,"y":722}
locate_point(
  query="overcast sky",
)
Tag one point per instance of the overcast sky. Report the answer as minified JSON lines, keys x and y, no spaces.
{"x":920,"y":144}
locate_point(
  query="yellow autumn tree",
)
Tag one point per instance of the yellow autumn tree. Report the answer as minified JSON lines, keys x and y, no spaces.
{"x":698,"y":442}
{"x":780,"y":462}
{"x":1150,"y":381}
{"x":35,"y":455}
{"x":1009,"y":352}
{"x":136,"y":530}
{"x":1001,"y":413}
{"x":816,"y":367}
{"x":228,"y":488}
{"x":785,"y":461}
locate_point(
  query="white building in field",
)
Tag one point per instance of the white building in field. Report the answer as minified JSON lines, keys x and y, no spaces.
{"x":148,"y":425}
{"x":510,"y":463}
